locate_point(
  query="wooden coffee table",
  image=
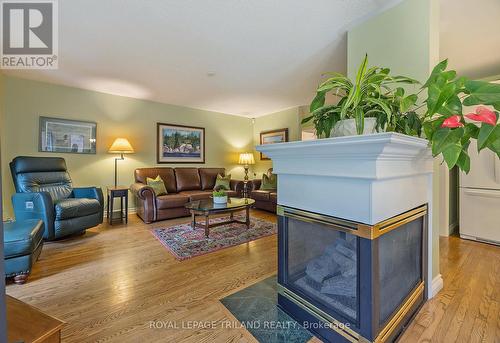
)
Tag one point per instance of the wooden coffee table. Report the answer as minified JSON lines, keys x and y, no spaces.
{"x":206,"y":208}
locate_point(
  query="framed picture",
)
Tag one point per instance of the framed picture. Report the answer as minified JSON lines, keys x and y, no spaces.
{"x":67,"y":136}
{"x":271,"y":137}
{"x":180,"y":144}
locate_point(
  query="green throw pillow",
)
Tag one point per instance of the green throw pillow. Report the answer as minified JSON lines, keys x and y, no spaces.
{"x":269,"y":183}
{"x":223,"y":182}
{"x":157,"y":184}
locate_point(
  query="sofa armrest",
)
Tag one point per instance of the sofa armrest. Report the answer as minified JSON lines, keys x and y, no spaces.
{"x":142,"y":191}
{"x":37,"y":205}
{"x":145,"y":201}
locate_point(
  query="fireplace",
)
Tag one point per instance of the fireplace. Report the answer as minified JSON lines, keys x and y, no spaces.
{"x":355,"y":214}
{"x":349,"y":281}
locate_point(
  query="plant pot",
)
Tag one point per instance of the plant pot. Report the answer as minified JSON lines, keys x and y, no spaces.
{"x":220,"y":200}
{"x":347,"y":127}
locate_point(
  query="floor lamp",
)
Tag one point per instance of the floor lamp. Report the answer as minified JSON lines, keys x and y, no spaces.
{"x":120,"y":146}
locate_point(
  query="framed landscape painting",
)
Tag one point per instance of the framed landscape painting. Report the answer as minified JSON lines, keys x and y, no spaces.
{"x":70,"y":136}
{"x":271,"y":137}
{"x":180,"y":144}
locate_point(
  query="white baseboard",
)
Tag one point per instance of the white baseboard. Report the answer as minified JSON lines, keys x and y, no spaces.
{"x":436,"y":285}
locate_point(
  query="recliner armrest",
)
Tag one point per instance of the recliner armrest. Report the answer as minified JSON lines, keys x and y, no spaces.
{"x":37,"y":205}
{"x":90,"y":193}
{"x":142,"y":191}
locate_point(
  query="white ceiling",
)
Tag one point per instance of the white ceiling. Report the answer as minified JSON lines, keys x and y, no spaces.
{"x":470,"y":36}
{"x":266,"y":55}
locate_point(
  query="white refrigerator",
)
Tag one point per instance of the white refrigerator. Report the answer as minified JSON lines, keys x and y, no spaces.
{"x":480,"y":197}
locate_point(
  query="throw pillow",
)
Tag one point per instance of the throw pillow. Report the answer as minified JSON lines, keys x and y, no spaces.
{"x":223,"y":182}
{"x":269,"y":182}
{"x":157,"y":184}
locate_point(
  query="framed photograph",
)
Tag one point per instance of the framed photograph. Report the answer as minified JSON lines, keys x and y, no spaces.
{"x":271,"y":137}
{"x":67,"y":136}
{"x":180,"y":144}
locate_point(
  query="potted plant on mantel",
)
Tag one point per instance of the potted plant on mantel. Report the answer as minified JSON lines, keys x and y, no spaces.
{"x":376,"y":101}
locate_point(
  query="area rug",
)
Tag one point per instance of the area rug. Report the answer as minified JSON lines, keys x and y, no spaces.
{"x":255,"y":307}
{"x":184,"y":242}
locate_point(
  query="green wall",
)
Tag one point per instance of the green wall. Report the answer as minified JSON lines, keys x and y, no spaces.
{"x":288,"y":118}
{"x":116,"y":116}
{"x":404,"y":38}
{"x":3,"y":318}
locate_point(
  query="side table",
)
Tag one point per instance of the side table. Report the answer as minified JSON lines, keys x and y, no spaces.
{"x":117,"y":192}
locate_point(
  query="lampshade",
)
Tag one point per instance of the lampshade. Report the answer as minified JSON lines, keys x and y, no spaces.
{"x":121,"y":146}
{"x":246,"y":158}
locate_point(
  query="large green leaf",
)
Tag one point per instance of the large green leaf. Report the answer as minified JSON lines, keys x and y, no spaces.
{"x":452,"y":106}
{"x":438,"y":69}
{"x":463,"y":162}
{"x":445,"y":93}
{"x":431,"y":126}
{"x":470,"y":131}
{"x":487,"y":135}
{"x":360,"y":120}
{"x":408,"y":102}
{"x":318,"y":101}
{"x":383,"y":105}
{"x":451,"y":154}
{"x":482,"y":93}
{"x":445,"y":137}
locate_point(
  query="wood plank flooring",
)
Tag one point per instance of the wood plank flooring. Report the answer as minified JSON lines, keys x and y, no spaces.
{"x":119,"y":284}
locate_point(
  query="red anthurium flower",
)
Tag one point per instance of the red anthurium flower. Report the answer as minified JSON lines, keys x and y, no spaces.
{"x":483,"y":114}
{"x":452,"y":122}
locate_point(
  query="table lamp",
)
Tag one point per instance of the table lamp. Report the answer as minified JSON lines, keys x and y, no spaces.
{"x":246,"y":159}
{"x":120,"y":146}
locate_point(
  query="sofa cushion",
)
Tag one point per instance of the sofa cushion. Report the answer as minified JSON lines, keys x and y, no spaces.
{"x":208,"y":177}
{"x":223,"y":182}
{"x":157,"y":185}
{"x":187,"y":179}
{"x":269,"y":182}
{"x":197,"y":195}
{"x":73,"y":208}
{"x":167,"y":175}
{"x":260,"y":195}
{"x":171,"y":201}
{"x":22,"y":237}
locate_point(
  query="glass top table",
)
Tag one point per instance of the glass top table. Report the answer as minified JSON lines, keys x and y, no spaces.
{"x":206,"y":207}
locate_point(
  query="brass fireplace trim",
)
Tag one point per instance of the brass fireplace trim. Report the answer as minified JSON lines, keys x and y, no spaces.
{"x":361,"y":230}
{"x":345,"y":331}
{"x":399,"y":316}
{"x":337,"y":326}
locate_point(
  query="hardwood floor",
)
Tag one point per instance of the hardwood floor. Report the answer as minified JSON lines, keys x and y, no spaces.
{"x":467,"y":308}
{"x":118,"y":283}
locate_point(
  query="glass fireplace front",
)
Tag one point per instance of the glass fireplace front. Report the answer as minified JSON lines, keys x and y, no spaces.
{"x":322,"y":266}
{"x":366,"y":277}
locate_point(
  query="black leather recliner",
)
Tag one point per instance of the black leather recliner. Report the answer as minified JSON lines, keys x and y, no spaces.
{"x":44,"y":191}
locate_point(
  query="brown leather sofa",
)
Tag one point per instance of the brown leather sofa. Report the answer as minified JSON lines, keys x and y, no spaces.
{"x":264,"y":200}
{"x":183,"y":185}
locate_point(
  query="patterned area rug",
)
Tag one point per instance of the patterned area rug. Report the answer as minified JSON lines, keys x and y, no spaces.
{"x":184,"y":242}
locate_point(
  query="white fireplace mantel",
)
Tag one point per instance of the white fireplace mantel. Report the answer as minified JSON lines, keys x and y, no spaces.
{"x":366,"y":179}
